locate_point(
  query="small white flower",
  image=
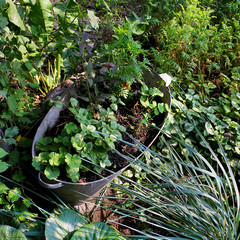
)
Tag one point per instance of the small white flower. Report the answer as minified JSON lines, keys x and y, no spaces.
{"x":166,"y":78}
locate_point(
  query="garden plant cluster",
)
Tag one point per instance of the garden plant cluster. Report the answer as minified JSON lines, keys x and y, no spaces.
{"x":186,"y":185}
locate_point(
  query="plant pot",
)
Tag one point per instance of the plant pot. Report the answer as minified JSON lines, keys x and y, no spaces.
{"x":77,"y":193}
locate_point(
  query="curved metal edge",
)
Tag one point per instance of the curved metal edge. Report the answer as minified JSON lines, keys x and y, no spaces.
{"x":48,"y":185}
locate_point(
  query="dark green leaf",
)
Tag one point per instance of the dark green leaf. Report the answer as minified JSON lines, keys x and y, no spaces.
{"x":12,"y":104}
{"x":3,"y":165}
{"x":11,"y":132}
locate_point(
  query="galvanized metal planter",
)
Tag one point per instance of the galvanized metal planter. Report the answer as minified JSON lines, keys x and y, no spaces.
{"x":77,"y":193}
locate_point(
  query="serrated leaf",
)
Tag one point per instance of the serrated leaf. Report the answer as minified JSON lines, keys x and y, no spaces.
{"x":43,"y":144}
{"x":12,"y":103}
{"x":11,"y":132}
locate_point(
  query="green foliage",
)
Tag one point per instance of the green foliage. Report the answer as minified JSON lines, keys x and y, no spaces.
{"x":53,"y":78}
{"x":150,"y":99}
{"x":90,"y":140}
{"x":124,"y":52}
{"x":14,"y":204}
{"x":8,"y":232}
{"x":71,"y":225}
{"x":185,"y":191}
{"x":202,"y":55}
{"x":180,"y":193}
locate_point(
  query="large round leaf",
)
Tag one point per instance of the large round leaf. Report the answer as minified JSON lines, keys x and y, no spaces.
{"x":7,"y":232}
{"x":97,"y":231}
{"x":66,"y":223}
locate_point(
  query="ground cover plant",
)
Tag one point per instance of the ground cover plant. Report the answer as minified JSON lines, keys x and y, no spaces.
{"x":197,"y":42}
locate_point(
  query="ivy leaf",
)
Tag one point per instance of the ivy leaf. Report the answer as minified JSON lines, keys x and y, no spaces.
{"x":91,"y":128}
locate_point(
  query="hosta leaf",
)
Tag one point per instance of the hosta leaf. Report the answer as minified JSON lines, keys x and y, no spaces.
{"x":59,"y":227}
{"x":97,"y":231}
{"x":7,"y":232}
